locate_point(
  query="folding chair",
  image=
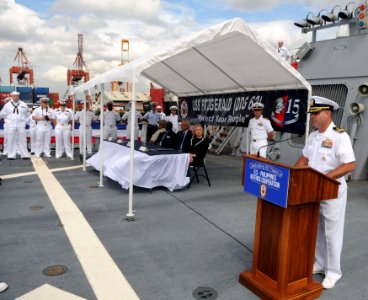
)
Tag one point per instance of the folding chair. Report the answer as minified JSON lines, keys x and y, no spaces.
{"x":196,"y":170}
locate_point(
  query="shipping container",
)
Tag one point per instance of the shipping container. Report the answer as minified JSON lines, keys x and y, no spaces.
{"x":37,"y":98}
{"x":4,"y":95}
{"x":54,"y":98}
{"x":26,"y":97}
{"x":24,"y":89}
{"x":41,"y":90}
{"x":6,"y":89}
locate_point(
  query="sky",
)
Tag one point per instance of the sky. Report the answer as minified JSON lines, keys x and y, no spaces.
{"x":47,"y":29}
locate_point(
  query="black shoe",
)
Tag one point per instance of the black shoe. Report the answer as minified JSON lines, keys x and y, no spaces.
{"x":27,"y":158}
{"x":9,"y":158}
{"x":32,"y":153}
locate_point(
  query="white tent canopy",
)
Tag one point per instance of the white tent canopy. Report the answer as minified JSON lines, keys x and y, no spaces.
{"x":224,"y":58}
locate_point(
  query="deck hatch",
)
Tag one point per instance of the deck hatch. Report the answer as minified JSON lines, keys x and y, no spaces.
{"x":205,"y":292}
{"x":54,"y":270}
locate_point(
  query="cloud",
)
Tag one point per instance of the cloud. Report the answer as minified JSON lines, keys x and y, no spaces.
{"x":56,"y":74}
{"x":250,"y":5}
{"x":17,"y":22}
{"x":50,"y":38}
{"x":131,"y":9}
{"x":281,"y":30}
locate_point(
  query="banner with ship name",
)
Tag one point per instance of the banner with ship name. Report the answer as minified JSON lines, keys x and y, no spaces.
{"x":286,"y":109}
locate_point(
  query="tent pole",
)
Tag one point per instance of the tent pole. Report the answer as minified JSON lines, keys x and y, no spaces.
{"x":73,"y":121}
{"x":308,"y":118}
{"x":85,"y":130}
{"x":130,"y":214}
{"x":101,"y":134}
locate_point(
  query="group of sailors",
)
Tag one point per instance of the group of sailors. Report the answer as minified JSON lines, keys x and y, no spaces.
{"x":17,"y":115}
{"x":157,"y":128}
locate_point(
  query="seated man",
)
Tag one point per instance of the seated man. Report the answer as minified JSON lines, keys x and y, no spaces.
{"x":184,"y":136}
{"x":168,"y":139}
{"x":161,"y":128}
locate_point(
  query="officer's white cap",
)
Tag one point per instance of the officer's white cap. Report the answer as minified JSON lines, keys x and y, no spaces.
{"x":158,"y":106}
{"x":257,"y":106}
{"x":153,"y":104}
{"x":45,"y":99}
{"x":62,"y":103}
{"x":173,"y":107}
{"x":15,"y":93}
{"x":318,"y":103}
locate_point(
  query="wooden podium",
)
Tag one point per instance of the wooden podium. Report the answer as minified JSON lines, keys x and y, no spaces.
{"x":285,"y":238}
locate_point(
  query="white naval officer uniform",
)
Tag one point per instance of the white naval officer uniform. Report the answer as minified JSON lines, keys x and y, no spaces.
{"x":174,"y":119}
{"x":110,"y":117}
{"x":325,"y":152}
{"x":43,"y":130}
{"x":259,"y":130}
{"x":62,"y":132}
{"x":127,"y":117}
{"x":16,"y":115}
{"x":284,"y":52}
{"x":87,"y":125}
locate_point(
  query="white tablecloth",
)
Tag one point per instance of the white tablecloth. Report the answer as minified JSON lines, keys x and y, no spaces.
{"x":168,"y":170}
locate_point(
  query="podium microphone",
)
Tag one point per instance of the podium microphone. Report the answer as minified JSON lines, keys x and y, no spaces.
{"x":277,"y":142}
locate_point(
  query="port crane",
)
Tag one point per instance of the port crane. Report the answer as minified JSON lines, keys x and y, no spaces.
{"x":23,"y":70}
{"x":124,"y":60}
{"x":80,"y":71}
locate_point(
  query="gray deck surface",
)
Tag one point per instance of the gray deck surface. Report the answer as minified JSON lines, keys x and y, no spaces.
{"x":202,"y":236}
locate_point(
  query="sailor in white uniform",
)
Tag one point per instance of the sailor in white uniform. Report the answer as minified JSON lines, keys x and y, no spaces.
{"x":329,"y":151}
{"x":32,"y":132}
{"x":63,"y":118}
{"x":282,"y":50}
{"x":110,"y":118}
{"x":127,"y":120}
{"x":16,"y":114}
{"x":87,"y":126}
{"x":173,"y":118}
{"x":160,"y":112}
{"x":5,"y":143}
{"x":44,"y":116}
{"x":260,"y":130}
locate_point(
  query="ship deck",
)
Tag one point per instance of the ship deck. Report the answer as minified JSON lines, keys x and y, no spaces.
{"x":179,"y":241}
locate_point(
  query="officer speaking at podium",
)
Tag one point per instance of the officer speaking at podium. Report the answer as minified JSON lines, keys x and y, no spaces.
{"x":328,"y":150}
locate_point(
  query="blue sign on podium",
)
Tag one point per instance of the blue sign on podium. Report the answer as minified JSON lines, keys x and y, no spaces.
{"x":267,"y":181}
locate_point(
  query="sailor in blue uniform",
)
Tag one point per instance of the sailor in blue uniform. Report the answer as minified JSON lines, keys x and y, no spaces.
{"x":152,"y":117}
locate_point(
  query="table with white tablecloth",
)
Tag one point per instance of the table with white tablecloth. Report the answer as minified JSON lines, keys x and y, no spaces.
{"x":165,"y":168}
